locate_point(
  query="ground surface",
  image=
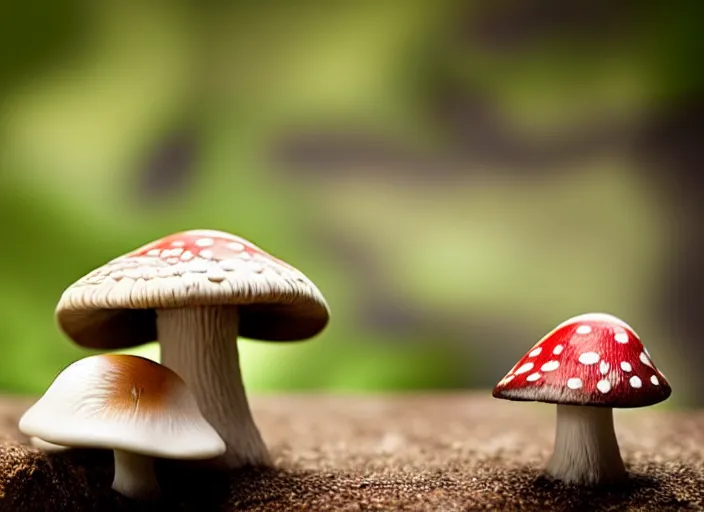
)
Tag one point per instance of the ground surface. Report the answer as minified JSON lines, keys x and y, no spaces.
{"x":436,"y":453}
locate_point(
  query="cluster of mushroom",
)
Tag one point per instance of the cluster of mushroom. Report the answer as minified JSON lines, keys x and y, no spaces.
{"x":194,"y":292}
{"x":587,"y":366}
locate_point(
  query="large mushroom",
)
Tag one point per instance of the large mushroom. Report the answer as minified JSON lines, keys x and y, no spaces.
{"x":195,"y":292}
{"x":587,"y":365}
{"x":131,"y":405}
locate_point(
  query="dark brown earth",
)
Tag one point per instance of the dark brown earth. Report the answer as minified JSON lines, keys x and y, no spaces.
{"x":436,"y":453}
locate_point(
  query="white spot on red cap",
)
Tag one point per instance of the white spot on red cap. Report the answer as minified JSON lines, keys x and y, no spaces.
{"x":550,"y":366}
{"x":645,"y":360}
{"x":206,"y":253}
{"x":604,"y":386}
{"x":235,"y":246}
{"x":604,"y":367}
{"x":584,"y":329}
{"x":525,"y":368}
{"x":626,"y":366}
{"x":574,"y":383}
{"x":621,"y":337}
{"x":558,"y":350}
{"x":533,"y":377}
{"x":654,"y":380}
{"x":178,"y":243}
{"x":154,"y":252}
{"x":589,"y":358}
{"x":535,"y":352}
{"x":205,"y":242}
{"x":187,"y":256}
{"x":635,"y":381}
{"x":508,"y":379}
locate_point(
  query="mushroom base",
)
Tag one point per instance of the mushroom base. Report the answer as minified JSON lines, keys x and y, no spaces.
{"x":200,"y":345}
{"x":586,"y":450}
{"x":134,"y":476}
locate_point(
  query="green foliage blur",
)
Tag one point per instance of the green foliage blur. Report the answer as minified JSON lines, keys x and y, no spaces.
{"x":92,"y":91}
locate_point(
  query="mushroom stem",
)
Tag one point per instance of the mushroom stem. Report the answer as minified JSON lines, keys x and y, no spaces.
{"x":586,"y":450}
{"x":200,"y":344}
{"x":134,"y":476}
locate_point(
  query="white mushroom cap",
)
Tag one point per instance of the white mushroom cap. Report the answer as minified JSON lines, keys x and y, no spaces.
{"x":123,"y":403}
{"x":114,"y":306}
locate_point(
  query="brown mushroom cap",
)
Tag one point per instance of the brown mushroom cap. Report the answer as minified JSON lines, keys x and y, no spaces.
{"x":115,"y":305}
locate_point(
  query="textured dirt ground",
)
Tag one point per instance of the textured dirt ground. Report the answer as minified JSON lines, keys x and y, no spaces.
{"x":436,"y":453}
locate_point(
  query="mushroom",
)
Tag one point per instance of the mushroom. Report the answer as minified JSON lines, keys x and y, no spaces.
{"x":131,"y":405}
{"x":587,"y":365}
{"x":195,"y":291}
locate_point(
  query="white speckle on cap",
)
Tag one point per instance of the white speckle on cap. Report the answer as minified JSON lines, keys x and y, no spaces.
{"x":604,"y":367}
{"x":176,"y":252}
{"x":187,"y":256}
{"x":589,"y":358}
{"x":205,"y":242}
{"x":644,"y":359}
{"x":206,"y":253}
{"x":165,"y":272}
{"x":558,"y":350}
{"x":635,"y":382}
{"x":508,"y":379}
{"x":550,"y":366}
{"x":533,"y":377}
{"x":584,"y":329}
{"x":654,"y":380}
{"x":132,"y":273}
{"x":235,"y":246}
{"x":199,"y":266}
{"x":574,"y":383}
{"x":626,"y":366}
{"x":154,"y":252}
{"x":604,"y":386}
{"x":178,"y":243}
{"x":525,"y":368}
{"x":230,"y":264}
{"x":215,"y":274}
{"x":621,"y":337}
{"x":535,"y":352}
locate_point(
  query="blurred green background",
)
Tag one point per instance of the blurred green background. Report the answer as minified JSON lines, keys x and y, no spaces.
{"x":457,"y":177}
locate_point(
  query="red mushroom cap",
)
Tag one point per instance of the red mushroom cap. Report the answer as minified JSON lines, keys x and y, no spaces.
{"x":591,"y":359}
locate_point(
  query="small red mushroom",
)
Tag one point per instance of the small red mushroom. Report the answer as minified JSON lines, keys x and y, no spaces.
{"x":587,"y":365}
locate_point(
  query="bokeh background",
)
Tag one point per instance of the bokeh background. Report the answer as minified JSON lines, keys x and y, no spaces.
{"x":457,"y":177}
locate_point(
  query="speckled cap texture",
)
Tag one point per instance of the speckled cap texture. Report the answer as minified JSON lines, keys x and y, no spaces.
{"x":115,"y":305}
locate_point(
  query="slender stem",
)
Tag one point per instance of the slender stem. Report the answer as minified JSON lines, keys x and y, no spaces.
{"x":134,"y":476}
{"x":586,"y":450}
{"x":200,"y":344}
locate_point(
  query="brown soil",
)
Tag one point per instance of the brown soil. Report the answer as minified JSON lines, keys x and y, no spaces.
{"x":436,"y":453}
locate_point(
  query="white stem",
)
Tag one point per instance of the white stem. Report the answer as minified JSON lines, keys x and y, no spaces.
{"x":200,"y":345}
{"x":134,"y":476}
{"x":586,"y":450}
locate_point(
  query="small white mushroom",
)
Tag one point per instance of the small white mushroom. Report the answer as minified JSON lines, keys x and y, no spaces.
{"x":131,"y":405}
